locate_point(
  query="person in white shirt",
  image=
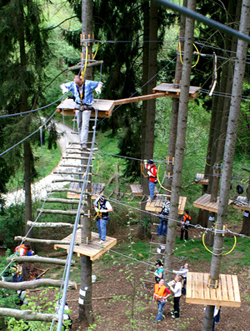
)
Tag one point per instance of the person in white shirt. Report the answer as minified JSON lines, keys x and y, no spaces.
{"x":177,"y":295}
{"x":183,"y":272}
{"x":102,"y":208}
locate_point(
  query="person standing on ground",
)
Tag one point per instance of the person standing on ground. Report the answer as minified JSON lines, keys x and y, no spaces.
{"x":82,"y":91}
{"x":152,"y":177}
{"x":183,"y":272}
{"x":102,"y":208}
{"x":177,"y":295}
{"x":185,"y":222}
{"x":161,"y":293}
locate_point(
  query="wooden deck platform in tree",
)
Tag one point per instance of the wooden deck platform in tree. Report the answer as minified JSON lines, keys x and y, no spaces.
{"x":137,"y":189}
{"x":93,"y":249}
{"x":173,"y":92}
{"x":227,"y":294}
{"x":199,"y":179}
{"x":96,"y":190}
{"x":156,"y":205}
{"x":105,"y":107}
{"x":204,"y":203}
{"x":241,"y":203}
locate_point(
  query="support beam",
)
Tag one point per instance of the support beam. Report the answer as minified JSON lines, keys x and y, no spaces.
{"x":51,"y":225}
{"x":77,"y":157}
{"x":139,"y":98}
{"x":70,"y":180}
{"x":34,"y":284}
{"x":36,"y":258}
{"x":66,"y":201}
{"x":45,"y":241}
{"x":59,"y":212}
{"x":28,"y":315}
{"x":68,"y":190}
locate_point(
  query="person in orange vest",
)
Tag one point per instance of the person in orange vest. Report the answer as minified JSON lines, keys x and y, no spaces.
{"x":185,"y":222}
{"x":152,"y":177}
{"x":161,"y":293}
{"x":24,"y":249}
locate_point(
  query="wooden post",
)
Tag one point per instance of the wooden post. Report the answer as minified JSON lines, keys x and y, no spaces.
{"x":117,"y":181}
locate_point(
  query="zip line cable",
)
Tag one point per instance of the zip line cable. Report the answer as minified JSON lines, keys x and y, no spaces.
{"x":72,"y":242}
{"x":7,"y":150}
{"x":33,"y":110}
{"x":201,"y":18}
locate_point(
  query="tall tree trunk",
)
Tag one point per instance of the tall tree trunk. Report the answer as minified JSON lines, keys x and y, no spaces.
{"x":229,"y":155}
{"x":27,"y":183}
{"x":24,"y":108}
{"x":227,"y":80}
{"x":180,"y":142}
{"x":85,"y":309}
{"x":148,"y":115}
{"x":174,"y":114}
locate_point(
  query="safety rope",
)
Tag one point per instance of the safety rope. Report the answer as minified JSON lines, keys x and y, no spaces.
{"x":203,"y":241}
{"x":198,"y":58}
{"x":164,"y":188}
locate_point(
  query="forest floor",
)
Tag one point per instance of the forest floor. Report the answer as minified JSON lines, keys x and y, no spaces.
{"x":112,"y":295}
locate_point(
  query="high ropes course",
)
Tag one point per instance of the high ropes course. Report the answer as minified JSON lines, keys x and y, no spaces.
{"x":82,"y":241}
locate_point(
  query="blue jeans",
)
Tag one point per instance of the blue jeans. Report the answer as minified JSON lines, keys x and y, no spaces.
{"x":162,"y":228}
{"x":101,"y":226}
{"x":160,"y":306}
{"x":151,"y":187}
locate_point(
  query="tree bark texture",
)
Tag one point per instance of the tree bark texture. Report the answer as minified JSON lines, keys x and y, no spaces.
{"x":35,"y":258}
{"x":180,"y":141}
{"x":85,"y":309}
{"x":27,"y":315}
{"x":229,"y":154}
{"x":34,"y":284}
{"x":175,"y":105}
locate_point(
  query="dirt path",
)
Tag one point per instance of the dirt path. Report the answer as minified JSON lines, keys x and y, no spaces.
{"x":41,"y":188}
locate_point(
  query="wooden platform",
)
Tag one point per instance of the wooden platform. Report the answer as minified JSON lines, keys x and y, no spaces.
{"x":96,"y":190}
{"x":204,"y":203}
{"x":137,"y":189}
{"x":241,"y":203}
{"x":105,"y":107}
{"x":156,"y":204}
{"x":227,"y":294}
{"x":93,"y":250}
{"x":175,"y":92}
{"x":199,"y":179}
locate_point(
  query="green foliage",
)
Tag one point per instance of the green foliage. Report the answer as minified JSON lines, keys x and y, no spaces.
{"x":12,"y":223}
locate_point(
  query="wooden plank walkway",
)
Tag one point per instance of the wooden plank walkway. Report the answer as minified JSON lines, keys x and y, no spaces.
{"x":173,"y":92}
{"x":227,"y":294}
{"x":156,"y":205}
{"x":93,"y":249}
{"x":241,"y":203}
{"x":96,"y":190}
{"x":137,"y":189}
{"x":199,"y":179}
{"x":105,"y":107}
{"x":204,"y":203}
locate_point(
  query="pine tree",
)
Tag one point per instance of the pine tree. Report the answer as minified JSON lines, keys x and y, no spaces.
{"x":23,"y":52}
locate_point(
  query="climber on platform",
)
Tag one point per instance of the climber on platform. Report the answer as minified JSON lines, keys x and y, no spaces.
{"x":82,"y":91}
{"x":152,"y":177}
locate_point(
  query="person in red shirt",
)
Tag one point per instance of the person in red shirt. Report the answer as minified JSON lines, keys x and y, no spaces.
{"x":152,"y":177}
{"x":185,"y":222}
{"x":161,"y":293}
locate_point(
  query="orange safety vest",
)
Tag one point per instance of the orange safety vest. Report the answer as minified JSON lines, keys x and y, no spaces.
{"x":160,"y":292}
{"x":18,"y":249}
